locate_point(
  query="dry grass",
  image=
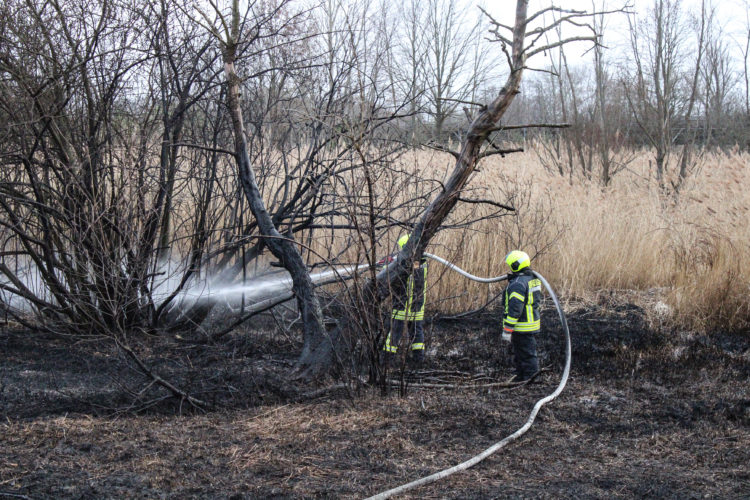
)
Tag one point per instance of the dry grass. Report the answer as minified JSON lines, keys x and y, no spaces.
{"x":630,"y":236}
{"x":627,"y":236}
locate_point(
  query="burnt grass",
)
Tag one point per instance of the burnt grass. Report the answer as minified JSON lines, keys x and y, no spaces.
{"x":649,"y":411}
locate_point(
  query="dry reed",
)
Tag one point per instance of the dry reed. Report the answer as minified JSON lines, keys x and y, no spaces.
{"x":693,"y":247}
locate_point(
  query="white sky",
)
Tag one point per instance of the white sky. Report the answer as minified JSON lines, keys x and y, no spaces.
{"x":732,"y":14}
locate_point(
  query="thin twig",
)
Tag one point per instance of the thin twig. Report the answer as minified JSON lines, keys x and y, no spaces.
{"x":197,"y":403}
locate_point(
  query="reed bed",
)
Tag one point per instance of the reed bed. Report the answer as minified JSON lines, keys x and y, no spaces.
{"x":691,"y":248}
{"x":688,"y":252}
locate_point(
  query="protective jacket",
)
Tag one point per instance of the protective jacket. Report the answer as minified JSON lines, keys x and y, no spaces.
{"x":522,"y":298}
{"x":409,"y":306}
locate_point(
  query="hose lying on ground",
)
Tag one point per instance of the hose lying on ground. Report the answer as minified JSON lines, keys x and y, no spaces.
{"x":500,"y":444}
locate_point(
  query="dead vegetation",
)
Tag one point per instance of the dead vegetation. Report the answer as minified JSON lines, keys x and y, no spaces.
{"x":648,"y":412}
{"x":628,"y":236}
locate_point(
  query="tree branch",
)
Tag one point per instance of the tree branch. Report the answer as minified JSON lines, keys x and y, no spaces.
{"x":487,"y":202}
{"x":195,"y":402}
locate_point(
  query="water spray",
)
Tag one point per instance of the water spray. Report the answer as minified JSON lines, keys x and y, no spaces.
{"x":264,"y":290}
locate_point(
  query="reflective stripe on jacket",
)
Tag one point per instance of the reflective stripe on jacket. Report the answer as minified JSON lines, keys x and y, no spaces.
{"x":522,"y":298}
{"x":410,"y":307}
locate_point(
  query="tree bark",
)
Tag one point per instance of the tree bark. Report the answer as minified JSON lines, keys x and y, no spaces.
{"x":283,"y":248}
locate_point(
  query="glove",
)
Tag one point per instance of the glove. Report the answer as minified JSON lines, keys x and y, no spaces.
{"x":385,"y":260}
{"x":506,"y":334}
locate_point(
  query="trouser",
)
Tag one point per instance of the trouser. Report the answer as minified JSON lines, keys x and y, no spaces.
{"x":415,"y":330}
{"x":524,"y":354}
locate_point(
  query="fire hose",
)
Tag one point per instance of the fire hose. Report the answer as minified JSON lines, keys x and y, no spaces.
{"x":532,"y":416}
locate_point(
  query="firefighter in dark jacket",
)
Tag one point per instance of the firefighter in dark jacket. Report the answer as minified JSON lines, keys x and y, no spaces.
{"x":521,"y":315}
{"x":408,"y":312}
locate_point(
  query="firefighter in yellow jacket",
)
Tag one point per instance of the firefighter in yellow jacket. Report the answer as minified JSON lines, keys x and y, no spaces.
{"x":521,"y":317}
{"x":408,"y":312}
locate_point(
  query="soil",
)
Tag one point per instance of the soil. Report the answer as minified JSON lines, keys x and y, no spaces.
{"x":649,"y":411}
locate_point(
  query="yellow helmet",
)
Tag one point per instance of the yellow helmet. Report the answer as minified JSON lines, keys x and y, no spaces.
{"x":402,"y":240}
{"x":517,"y":260}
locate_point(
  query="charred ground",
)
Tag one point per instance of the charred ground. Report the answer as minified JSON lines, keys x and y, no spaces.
{"x":648,"y":412}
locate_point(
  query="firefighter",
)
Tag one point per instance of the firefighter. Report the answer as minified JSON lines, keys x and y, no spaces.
{"x":408,"y":311}
{"x":521,"y":318}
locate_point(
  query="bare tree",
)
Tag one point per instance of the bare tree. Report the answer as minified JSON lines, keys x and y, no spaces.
{"x":717,"y":79}
{"x":601,"y":82}
{"x":283,"y":247}
{"x":96,"y":204}
{"x":609,"y":122}
{"x":185,"y":75}
{"x":518,"y":42}
{"x":66,"y":208}
{"x":586,"y":98}
{"x":408,"y":75}
{"x":660,"y":66}
{"x":746,"y":59}
{"x":569,"y":88}
{"x":453,"y":66}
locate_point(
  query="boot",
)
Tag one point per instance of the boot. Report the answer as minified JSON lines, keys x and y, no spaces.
{"x":416,"y":360}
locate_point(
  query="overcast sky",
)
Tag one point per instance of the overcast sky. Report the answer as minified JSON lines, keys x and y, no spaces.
{"x":733,"y":15}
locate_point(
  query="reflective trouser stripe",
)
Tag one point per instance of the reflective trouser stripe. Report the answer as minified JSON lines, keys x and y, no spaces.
{"x":412,"y":316}
{"x":387,"y":347}
{"x":532,"y":326}
{"x":417,"y":346}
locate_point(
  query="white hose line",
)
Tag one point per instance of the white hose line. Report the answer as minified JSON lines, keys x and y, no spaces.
{"x":500,"y":444}
{"x":460,"y":271}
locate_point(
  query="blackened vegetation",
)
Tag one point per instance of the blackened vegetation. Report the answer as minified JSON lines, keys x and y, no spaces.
{"x":649,"y":411}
